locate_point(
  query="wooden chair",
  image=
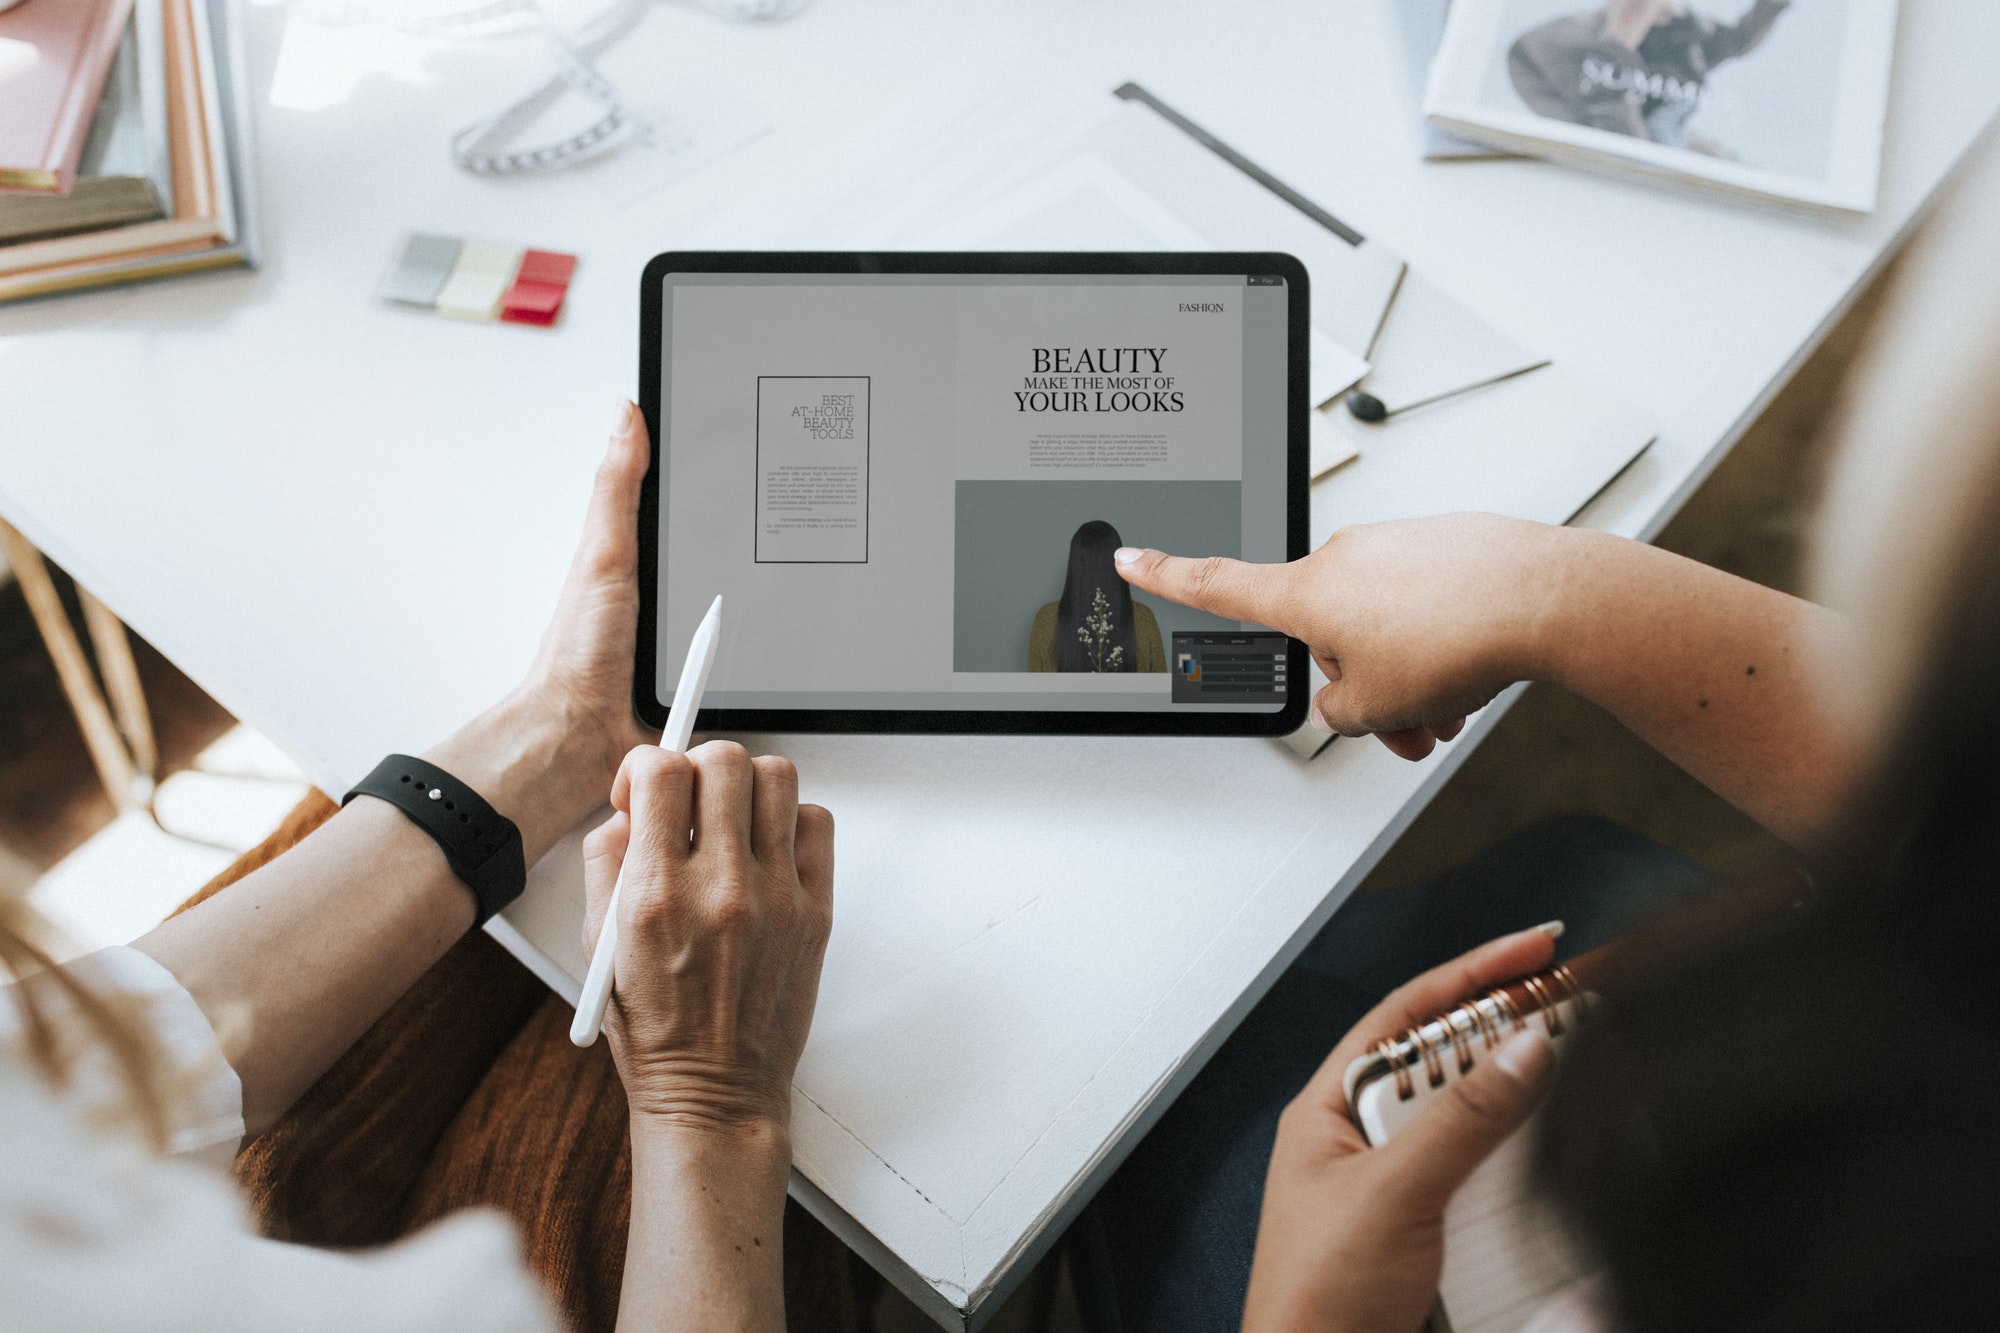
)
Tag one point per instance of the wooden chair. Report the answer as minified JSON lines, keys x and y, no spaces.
{"x":118,"y":730}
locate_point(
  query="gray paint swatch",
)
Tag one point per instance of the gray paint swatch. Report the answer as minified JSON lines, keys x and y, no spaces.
{"x":420,"y":271}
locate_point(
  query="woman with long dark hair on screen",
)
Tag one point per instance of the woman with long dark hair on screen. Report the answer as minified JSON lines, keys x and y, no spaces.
{"x":1095,"y":625}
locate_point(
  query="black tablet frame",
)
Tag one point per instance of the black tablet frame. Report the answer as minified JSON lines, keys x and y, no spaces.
{"x":1192,"y":721}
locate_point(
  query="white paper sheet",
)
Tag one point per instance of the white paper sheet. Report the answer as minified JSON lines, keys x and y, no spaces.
{"x":684,"y":129}
{"x":1331,"y":446}
{"x":1536,"y":447}
{"x":1430,"y":345}
{"x":1351,"y":284}
{"x":1021,"y":163}
{"x":1080,"y":203}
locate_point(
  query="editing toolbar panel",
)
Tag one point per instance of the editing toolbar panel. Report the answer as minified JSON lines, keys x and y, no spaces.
{"x":1247,"y":667}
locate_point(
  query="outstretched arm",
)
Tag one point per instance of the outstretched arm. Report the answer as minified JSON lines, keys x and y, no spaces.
{"x":1419,"y":622}
{"x":293,"y":962}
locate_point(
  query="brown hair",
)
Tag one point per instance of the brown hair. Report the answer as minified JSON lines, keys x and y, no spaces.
{"x":1791,"y":1128}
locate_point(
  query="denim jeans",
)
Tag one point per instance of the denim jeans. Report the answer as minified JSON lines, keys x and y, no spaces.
{"x":1165,"y":1247}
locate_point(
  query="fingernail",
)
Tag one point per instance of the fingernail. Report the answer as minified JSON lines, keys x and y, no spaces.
{"x":619,"y":413}
{"x":1125,"y":555}
{"x":1552,"y":929}
{"x":1524,"y":1056}
{"x":1319,"y":722}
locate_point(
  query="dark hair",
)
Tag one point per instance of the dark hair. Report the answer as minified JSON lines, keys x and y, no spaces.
{"x":1091,"y":571}
{"x":1793,"y":1128}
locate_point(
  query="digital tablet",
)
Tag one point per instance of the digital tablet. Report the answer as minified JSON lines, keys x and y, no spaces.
{"x":906,"y":475}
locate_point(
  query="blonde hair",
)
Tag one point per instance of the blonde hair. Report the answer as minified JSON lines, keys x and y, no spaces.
{"x":1919,"y":457}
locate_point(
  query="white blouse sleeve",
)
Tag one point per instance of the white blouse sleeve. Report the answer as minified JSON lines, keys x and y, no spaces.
{"x":99,"y":1233}
{"x":205,"y":1097}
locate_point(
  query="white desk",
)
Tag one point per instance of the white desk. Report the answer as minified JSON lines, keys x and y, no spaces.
{"x":325,"y":510}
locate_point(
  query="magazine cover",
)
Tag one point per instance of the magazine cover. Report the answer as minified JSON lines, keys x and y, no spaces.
{"x":1781,"y":99}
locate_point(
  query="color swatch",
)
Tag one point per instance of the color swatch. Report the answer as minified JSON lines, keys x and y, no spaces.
{"x":478,"y":280}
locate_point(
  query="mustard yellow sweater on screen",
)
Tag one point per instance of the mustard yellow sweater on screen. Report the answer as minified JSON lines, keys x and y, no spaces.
{"x":1145,"y":629}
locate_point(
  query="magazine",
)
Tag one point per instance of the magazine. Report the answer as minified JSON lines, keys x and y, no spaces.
{"x":1775,"y":99}
{"x":1421,"y":25}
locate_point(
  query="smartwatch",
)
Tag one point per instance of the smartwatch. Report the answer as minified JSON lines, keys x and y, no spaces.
{"x":481,"y":845}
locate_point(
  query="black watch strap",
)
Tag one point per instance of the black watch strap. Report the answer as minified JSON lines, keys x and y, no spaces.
{"x":480,"y":844}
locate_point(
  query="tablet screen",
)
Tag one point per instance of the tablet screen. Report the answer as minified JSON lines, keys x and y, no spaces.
{"x":908,"y":487}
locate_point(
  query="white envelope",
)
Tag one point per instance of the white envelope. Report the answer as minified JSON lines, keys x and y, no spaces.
{"x":1331,"y":369}
{"x":1330,"y":445}
{"x":1536,"y":446}
{"x":1430,"y":347}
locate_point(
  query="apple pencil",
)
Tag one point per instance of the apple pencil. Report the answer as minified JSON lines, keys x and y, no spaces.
{"x":596,"y":994}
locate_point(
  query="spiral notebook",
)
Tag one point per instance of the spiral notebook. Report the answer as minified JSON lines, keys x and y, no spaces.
{"x":1505,"y":1257}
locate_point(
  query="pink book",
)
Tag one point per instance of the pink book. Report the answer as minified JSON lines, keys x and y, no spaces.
{"x":54,"y":55}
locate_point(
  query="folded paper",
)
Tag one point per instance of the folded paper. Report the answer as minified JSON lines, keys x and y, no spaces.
{"x":1430,"y":347}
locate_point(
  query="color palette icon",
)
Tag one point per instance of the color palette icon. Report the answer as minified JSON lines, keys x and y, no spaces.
{"x":479,"y":280}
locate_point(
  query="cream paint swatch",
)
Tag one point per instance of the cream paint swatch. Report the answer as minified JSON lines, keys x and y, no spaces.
{"x":478,"y":280}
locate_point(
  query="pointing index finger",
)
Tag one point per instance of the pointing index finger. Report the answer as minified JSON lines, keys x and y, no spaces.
{"x":1232,"y":589}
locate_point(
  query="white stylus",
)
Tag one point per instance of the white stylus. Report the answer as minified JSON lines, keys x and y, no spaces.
{"x":583,"y":1029}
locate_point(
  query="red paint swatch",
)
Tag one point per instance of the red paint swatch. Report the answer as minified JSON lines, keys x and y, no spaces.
{"x":537,"y":294}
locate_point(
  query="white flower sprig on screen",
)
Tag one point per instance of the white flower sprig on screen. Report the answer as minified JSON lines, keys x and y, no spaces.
{"x":1095,"y":635}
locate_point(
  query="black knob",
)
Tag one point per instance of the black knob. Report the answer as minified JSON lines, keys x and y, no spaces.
{"x":1366,"y":406}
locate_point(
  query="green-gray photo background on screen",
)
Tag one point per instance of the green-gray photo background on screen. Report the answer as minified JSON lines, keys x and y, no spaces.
{"x":1012,"y":550}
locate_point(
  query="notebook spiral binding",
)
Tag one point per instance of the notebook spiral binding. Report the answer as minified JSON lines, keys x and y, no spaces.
{"x":1486,"y":1020}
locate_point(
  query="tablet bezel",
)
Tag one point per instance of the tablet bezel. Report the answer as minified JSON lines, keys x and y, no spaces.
{"x":1191,"y":722}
